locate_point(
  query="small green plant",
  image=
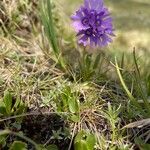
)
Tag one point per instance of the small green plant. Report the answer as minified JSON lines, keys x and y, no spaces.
{"x":57,"y":135}
{"x":68,"y":102}
{"x":90,"y":66}
{"x":8,"y":107}
{"x":112,"y":116}
{"x":84,"y":140}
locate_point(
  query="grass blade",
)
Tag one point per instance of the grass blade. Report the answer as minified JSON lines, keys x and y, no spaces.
{"x":138,"y":80}
{"x":133,"y":100}
{"x":47,"y":21}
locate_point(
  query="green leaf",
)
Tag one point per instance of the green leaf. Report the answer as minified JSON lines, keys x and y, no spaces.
{"x":141,"y":144}
{"x":82,"y":145}
{"x":79,"y":136}
{"x":145,"y":147}
{"x":8,"y":101}
{"x":75,"y":118}
{"x":91,"y":141}
{"x":52,"y":147}
{"x":2,"y":108}
{"x":97,"y":60}
{"x":73,"y":105}
{"x":17,"y":103}
{"x":148,"y":85}
{"x":84,"y":140}
{"x":2,"y":140}
{"x":88,"y":61}
{"x":41,"y":147}
{"x":64,"y":102}
{"x":21,"y":109}
{"x":18,"y":145}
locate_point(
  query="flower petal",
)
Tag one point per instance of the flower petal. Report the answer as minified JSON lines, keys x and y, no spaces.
{"x":78,"y":26}
{"x":87,"y":4}
{"x":99,"y":5}
{"x":75,"y":17}
{"x":94,"y":4}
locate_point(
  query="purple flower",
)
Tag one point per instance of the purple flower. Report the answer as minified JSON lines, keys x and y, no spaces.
{"x":93,"y":24}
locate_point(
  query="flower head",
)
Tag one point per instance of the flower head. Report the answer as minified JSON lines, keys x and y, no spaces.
{"x":93,"y":24}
